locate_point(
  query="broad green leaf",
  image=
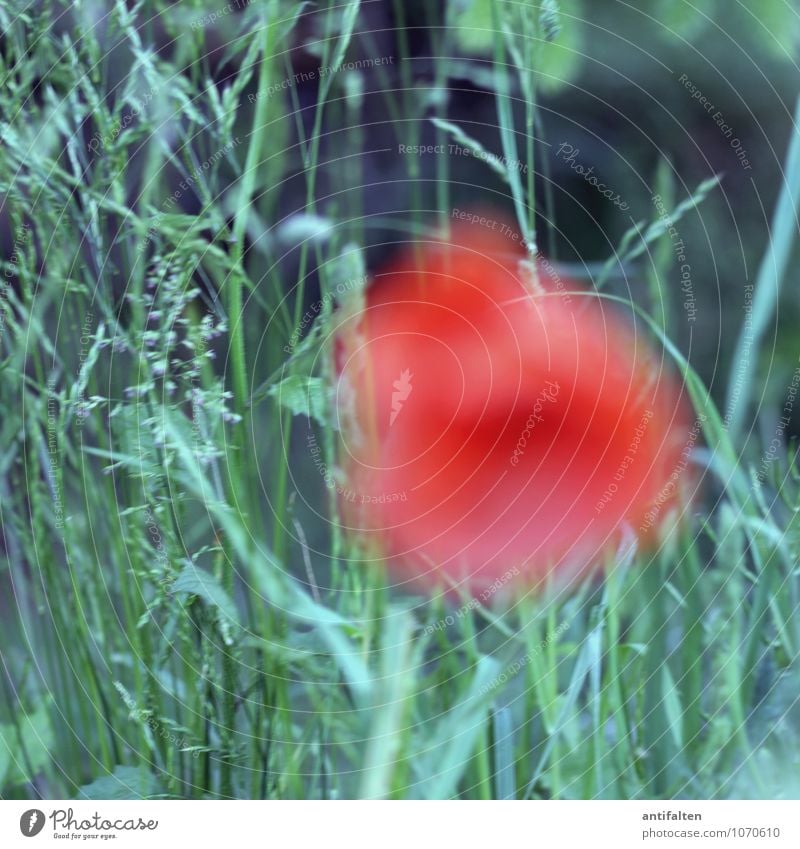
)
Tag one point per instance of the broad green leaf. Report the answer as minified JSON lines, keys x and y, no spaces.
{"x":126,"y":782}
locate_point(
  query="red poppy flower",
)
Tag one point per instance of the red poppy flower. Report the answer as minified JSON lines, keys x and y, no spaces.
{"x":488,"y":426}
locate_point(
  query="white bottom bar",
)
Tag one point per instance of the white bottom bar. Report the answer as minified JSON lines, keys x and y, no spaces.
{"x":384,"y":825}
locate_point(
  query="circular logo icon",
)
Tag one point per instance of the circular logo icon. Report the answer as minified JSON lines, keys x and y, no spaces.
{"x":31,"y":822}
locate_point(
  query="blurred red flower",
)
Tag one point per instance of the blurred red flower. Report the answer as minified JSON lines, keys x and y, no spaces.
{"x":489,"y":426}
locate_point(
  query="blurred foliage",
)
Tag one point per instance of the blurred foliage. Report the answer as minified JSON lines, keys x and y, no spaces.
{"x":774,"y":24}
{"x":558,"y":47}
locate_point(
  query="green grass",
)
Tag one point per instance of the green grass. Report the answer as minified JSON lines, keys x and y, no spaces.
{"x":174,"y":621}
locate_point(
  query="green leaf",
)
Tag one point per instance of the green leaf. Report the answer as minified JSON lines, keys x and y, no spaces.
{"x":655,"y":230}
{"x":348,"y":20}
{"x":195,"y":581}
{"x":392,"y":704}
{"x":303,"y":396}
{"x":672,"y":707}
{"x":772,"y":273}
{"x":504,"y":778}
{"x":444,"y":755}
{"x":26,"y":750}
{"x":346,"y":275}
{"x":475,"y":147}
{"x":590,"y":656}
{"x":126,"y":782}
{"x":271,"y":579}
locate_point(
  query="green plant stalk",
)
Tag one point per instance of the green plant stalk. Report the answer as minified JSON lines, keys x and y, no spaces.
{"x":237,"y":478}
{"x":311,"y":167}
{"x":771,"y":274}
{"x":43,"y":642}
{"x":234,"y":288}
{"x":655,"y":729}
{"x":441,"y":51}
{"x":137,"y":639}
{"x":410,"y":101}
{"x":13,"y":703}
{"x":595,"y":781}
{"x":481,"y":760}
{"x":612,"y":693}
{"x":229,"y":689}
{"x":657,"y":270}
{"x":51,"y":576}
{"x":508,"y":133}
{"x":692,"y":644}
{"x":766,"y":573}
{"x":530,"y":114}
{"x":549,"y":202}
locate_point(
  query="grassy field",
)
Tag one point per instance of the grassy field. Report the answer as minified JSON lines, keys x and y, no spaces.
{"x":181,"y":612}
